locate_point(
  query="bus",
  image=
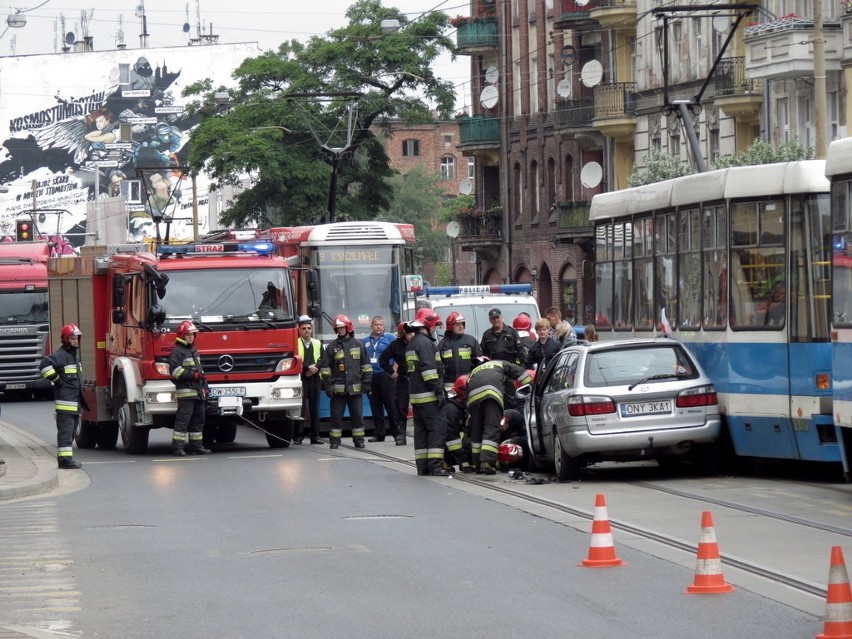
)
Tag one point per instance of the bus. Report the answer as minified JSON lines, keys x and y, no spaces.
{"x":838,"y":169}
{"x":736,"y":264}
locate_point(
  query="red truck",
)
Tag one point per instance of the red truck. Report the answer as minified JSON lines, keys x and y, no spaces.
{"x":128,"y":302}
{"x":23,"y":315}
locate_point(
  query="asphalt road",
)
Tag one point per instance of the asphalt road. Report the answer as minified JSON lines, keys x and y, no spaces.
{"x":307,"y":542}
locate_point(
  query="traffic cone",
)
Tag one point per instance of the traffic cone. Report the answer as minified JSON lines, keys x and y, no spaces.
{"x":838,"y":601}
{"x":709,"y":579}
{"x":601,"y":548}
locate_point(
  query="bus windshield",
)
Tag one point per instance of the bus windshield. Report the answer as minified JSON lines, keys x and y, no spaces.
{"x":359,"y":282}
{"x":21,"y":307}
{"x":241,"y":296}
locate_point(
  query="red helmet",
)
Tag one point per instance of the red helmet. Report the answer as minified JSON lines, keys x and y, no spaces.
{"x":344,"y":321}
{"x":184,"y":328}
{"x":400,"y":329}
{"x":522,"y":322}
{"x":459,"y":388}
{"x":454,"y":318}
{"x":68,"y":331}
{"x":510,"y":454}
{"x":426,"y":317}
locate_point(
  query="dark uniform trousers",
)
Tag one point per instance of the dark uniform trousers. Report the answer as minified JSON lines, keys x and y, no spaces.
{"x":356,"y":417}
{"x":190,"y":412}
{"x":383,"y":398}
{"x":485,"y":416}
{"x":311,"y":387}
{"x":430,"y":435}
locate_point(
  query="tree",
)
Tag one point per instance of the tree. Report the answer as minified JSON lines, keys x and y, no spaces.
{"x":761,"y":152}
{"x":267,"y":136}
{"x":658,"y":167}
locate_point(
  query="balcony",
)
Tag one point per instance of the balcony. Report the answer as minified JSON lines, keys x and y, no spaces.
{"x":575,"y":14}
{"x":783,"y":48}
{"x":615,"y":110}
{"x":737,"y":95}
{"x":573,"y":114}
{"x":479,"y":136}
{"x":617,"y":14}
{"x":846,"y":24}
{"x":573,"y":221}
{"x":476,"y":35}
{"x":478,"y":233}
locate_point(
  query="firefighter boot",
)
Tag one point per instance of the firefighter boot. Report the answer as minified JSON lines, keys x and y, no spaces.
{"x":359,"y":442}
{"x":68,"y":463}
{"x":422,"y":468}
{"x":400,"y":440}
{"x":436,"y":468}
{"x":196,"y":445}
{"x":486,"y":468}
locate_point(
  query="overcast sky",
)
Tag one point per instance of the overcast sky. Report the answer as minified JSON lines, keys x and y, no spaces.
{"x":267,"y":22}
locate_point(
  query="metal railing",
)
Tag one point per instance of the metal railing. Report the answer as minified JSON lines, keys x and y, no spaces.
{"x":615,"y":100}
{"x":731,"y":78}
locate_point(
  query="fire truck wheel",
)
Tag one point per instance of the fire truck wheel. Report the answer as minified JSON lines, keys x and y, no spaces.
{"x":279,"y":433}
{"x":108,"y":436}
{"x":226,"y":433}
{"x":87,"y":434}
{"x":134,"y":439}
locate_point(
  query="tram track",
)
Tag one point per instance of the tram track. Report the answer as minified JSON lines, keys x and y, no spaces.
{"x":739,"y":563}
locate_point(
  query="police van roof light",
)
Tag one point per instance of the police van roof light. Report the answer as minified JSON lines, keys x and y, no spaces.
{"x":482,"y":289}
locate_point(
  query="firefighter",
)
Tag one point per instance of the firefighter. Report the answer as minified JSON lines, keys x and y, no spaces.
{"x":346,"y":373}
{"x":455,"y":412}
{"x":457,"y":349}
{"x":190,"y":391}
{"x":513,"y":450}
{"x":392,"y":361}
{"x":428,"y":398}
{"x":310,"y":350}
{"x":503,"y":342}
{"x":64,"y":370}
{"x":485,"y":387}
{"x":523,"y":324}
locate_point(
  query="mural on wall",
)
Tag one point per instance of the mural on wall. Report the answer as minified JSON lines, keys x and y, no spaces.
{"x":123,"y":124}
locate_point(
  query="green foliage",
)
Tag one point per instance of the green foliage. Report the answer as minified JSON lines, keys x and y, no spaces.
{"x":761,"y":152}
{"x":658,"y":167}
{"x":284,"y":143}
{"x":416,"y":200}
{"x":456,"y":207}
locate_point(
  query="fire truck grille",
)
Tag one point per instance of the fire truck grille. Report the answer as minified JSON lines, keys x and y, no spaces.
{"x":242,"y":363}
{"x":20,"y":356}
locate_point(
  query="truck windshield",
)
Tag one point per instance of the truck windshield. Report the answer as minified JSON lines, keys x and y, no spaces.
{"x":229,"y":296}
{"x":17,"y":307}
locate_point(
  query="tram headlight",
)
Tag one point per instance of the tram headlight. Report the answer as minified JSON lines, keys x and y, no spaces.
{"x":823,"y":381}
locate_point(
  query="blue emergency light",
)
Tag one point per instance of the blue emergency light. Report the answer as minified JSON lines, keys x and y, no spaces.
{"x":482,"y":289}
{"x":217,"y":248}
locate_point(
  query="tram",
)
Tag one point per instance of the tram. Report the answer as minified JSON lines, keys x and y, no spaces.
{"x":838,"y":169}
{"x":736,"y":263}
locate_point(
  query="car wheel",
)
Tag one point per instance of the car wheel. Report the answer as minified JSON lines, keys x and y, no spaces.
{"x":567,"y":468}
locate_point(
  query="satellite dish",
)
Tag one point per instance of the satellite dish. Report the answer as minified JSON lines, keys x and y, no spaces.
{"x":721,"y":24}
{"x":592,"y":73}
{"x":185,"y":27}
{"x":491,"y":75}
{"x":489,"y":97}
{"x":114,"y":74}
{"x":70,"y":38}
{"x":466,"y":186}
{"x":581,"y":3}
{"x":453,"y":229}
{"x":140,"y":10}
{"x":591,"y":175}
{"x":563,"y":89}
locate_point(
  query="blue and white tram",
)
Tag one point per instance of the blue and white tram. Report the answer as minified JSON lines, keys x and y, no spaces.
{"x":740,"y":260}
{"x":838,"y":168}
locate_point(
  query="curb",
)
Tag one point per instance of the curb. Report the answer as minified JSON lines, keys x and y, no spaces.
{"x":30,"y":464}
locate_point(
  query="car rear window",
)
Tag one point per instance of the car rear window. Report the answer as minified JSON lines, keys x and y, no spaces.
{"x":619,"y":366}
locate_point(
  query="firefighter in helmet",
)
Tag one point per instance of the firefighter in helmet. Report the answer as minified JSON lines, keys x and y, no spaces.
{"x":485,"y":387}
{"x":190,"y":391}
{"x":457,"y":349}
{"x":64,"y":370}
{"x":425,"y":384}
{"x":346,"y":373}
{"x":455,"y":412}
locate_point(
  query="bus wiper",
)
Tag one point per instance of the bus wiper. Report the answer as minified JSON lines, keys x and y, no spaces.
{"x":249,"y":319}
{"x":651,"y":378}
{"x":201,"y":326}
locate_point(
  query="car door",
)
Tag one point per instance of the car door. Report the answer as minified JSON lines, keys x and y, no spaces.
{"x":550,"y":401}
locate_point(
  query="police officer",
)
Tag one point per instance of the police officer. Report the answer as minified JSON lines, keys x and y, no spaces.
{"x":485,"y":387}
{"x":346,"y":373}
{"x":190,"y":384}
{"x":392,"y":361}
{"x":64,"y":370}
{"x":457,"y":349}
{"x":427,"y":394}
{"x":383,"y":393}
{"x":310,"y":350}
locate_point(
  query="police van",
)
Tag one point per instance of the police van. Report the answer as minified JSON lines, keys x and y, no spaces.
{"x":474,"y":302}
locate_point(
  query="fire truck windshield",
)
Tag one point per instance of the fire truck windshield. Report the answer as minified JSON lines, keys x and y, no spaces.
{"x":241,"y":296}
{"x":19,"y":307}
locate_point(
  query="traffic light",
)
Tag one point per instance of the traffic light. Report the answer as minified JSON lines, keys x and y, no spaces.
{"x":24,"y":230}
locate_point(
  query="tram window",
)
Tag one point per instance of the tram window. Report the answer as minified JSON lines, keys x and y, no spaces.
{"x":689,"y":271}
{"x":714,"y":267}
{"x":603,"y":299}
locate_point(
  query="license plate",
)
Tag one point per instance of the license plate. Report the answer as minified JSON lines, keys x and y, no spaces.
{"x":227,"y":391}
{"x":637,"y":409}
{"x":15,"y":386}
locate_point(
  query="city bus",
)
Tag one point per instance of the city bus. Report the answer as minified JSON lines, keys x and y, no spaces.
{"x":736,"y":264}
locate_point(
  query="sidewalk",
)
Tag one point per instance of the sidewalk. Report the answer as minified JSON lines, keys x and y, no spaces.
{"x":29,"y":465}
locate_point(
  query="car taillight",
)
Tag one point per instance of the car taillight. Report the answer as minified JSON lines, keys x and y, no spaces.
{"x":581,"y":406}
{"x":701,"y":396}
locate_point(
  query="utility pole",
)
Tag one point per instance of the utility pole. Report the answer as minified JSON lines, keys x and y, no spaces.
{"x":820,"y":106}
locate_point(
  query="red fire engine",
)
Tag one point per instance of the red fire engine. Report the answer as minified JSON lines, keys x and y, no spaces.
{"x":128,"y":302}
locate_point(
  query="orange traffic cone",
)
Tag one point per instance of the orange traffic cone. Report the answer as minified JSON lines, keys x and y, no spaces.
{"x":601,"y":549}
{"x":709,"y":579}
{"x":838,"y":601}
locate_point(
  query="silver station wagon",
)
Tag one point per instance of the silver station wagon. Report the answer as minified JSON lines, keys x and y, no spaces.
{"x":621,"y":400}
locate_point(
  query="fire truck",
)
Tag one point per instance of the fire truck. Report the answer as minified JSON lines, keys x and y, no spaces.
{"x":128,"y":302}
{"x":23,"y":315}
